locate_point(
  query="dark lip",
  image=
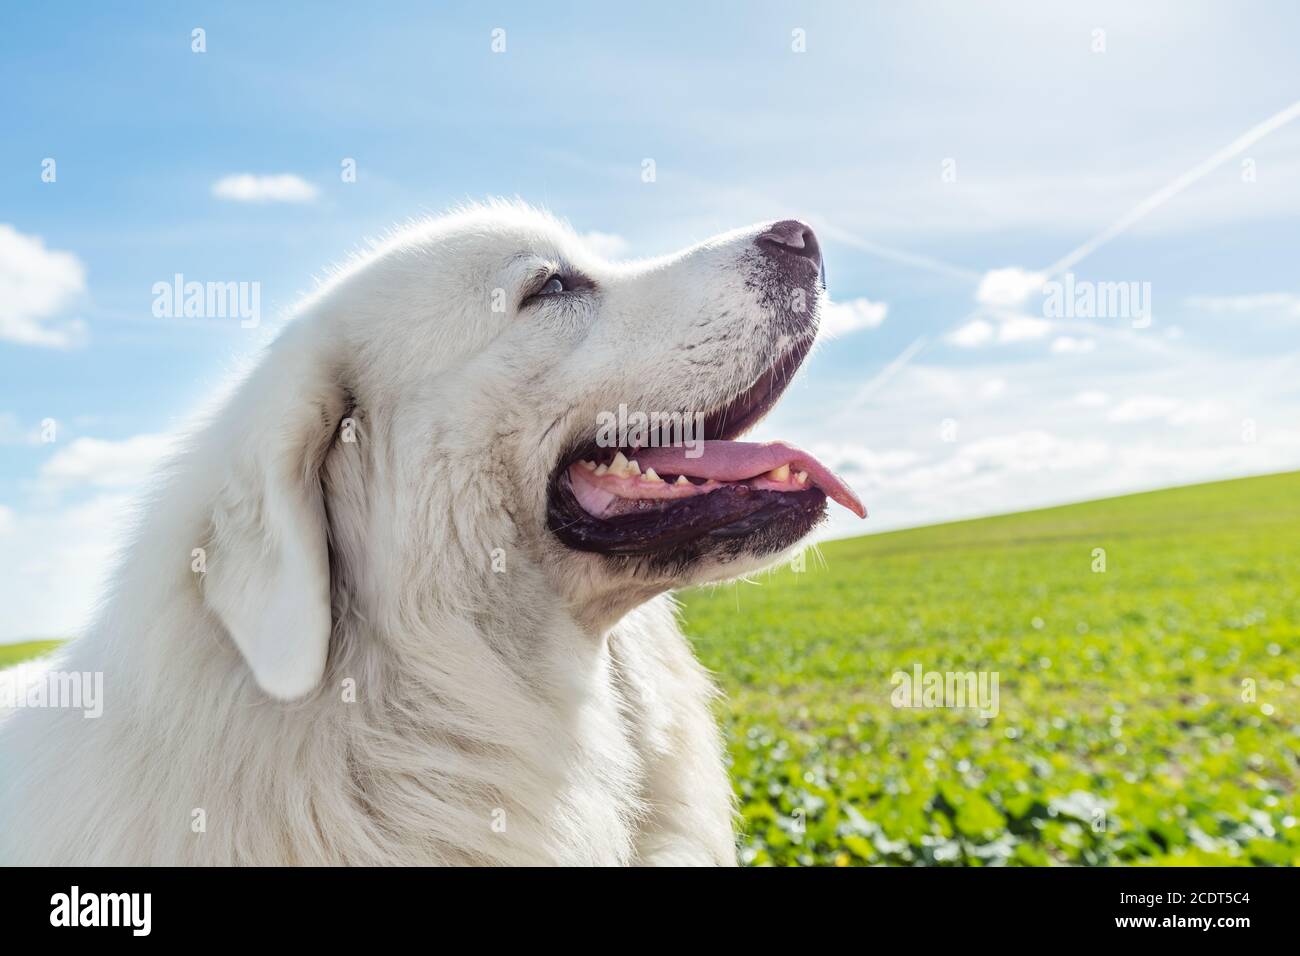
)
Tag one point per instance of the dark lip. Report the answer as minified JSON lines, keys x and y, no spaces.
{"x":685,"y":529}
{"x":743,"y":412}
{"x":729,"y":520}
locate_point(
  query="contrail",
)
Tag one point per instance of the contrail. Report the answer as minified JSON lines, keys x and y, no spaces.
{"x":896,"y":255}
{"x":1146,"y":206}
{"x":1160,"y":197}
{"x":879,"y":380}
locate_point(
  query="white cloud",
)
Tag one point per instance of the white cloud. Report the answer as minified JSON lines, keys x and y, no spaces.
{"x":1010,"y":329}
{"x":988,"y":465}
{"x":58,"y":554}
{"x":607,"y":245}
{"x":1174,"y":411}
{"x":1067,"y":345}
{"x":1259,"y":302}
{"x":36,"y":285}
{"x":1034,"y":450}
{"x":993,"y":388}
{"x":1197,"y":413}
{"x":1092,"y":399}
{"x":1143,"y":408}
{"x":246,"y":187}
{"x":973,"y":334}
{"x":1008,"y":288}
{"x":105,"y":464}
{"x":1022,"y":328}
{"x":843,"y":318}
{"x":57,"y":563}
{"x":862,"y":460}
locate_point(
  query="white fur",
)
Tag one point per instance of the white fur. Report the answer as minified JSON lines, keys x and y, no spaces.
{"x":550,"y":714}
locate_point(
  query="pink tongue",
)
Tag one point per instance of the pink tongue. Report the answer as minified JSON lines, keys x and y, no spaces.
{"x":738,"y":460}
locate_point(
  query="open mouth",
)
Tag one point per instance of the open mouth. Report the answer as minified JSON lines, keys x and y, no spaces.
{"x":716,"y":493}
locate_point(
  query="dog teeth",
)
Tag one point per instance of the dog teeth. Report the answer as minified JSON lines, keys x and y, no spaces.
{"x":801,"y":477}
{"x":681,"y":480}
{"x":589,"y":465}
{"x":602,"y":470}
{"x":651,"y":476}
{"x":620,"y":467}
{"x":780,"y":474}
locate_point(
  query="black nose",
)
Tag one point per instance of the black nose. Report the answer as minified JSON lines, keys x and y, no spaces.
{"x":792,"y":237}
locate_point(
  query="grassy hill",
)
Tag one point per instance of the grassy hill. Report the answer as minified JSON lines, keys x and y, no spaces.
{"x":1149,"y":713}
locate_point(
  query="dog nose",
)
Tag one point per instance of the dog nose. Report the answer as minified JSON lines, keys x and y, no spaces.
{"x":792,"y":237}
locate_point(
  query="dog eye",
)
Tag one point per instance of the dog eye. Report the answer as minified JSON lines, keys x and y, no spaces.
{"x":559,"y":284}
{"x":554,"y":285}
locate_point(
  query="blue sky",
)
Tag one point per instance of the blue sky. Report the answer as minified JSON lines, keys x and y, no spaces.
{"x":945,"y":152}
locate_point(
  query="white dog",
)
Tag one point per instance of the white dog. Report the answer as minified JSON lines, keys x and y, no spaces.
{"x":397,"y":603}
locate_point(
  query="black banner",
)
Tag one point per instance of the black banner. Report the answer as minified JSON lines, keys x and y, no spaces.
{"x":213,"y":906}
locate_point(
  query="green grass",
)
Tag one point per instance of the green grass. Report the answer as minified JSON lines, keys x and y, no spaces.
{"x":13,"y":653}
{"x":1149,"y":713}
{"x":1126,"y":733}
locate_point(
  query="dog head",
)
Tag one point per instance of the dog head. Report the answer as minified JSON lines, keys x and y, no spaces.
{"x":482,"y":399}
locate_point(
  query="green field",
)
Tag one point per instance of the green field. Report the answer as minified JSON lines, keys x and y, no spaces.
{"x":13,"y":653}
{"x":1149,"y":713}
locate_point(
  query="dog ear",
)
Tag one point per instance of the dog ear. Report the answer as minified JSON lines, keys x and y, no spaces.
{"x":268,"y":575}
